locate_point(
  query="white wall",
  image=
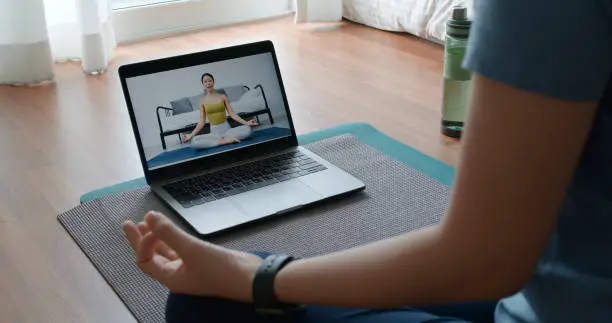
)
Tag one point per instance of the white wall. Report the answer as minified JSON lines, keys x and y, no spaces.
{"x":149,"y":91}
{"x":174,"y":17}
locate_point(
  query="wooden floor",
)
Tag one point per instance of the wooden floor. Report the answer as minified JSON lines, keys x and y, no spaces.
{"x":61,"y":140}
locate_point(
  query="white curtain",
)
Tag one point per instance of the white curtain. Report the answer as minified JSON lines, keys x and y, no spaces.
{"x":35,"y":33}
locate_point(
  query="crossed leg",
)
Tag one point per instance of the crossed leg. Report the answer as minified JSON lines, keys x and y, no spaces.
{"x":213,"y":140}
{"x":238,"y":133}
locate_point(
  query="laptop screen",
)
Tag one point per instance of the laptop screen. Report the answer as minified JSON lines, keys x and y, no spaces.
{"x":202,"y":110}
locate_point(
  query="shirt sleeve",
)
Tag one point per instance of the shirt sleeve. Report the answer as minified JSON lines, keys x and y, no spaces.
{"x":560,"y":48}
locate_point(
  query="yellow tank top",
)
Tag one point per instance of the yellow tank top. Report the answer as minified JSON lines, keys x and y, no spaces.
{"x":215,"y":112}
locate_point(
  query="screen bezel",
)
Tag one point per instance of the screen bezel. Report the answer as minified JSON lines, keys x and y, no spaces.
{"x":194,"y":59}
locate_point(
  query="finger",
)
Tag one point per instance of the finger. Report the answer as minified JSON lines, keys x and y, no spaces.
{"x":163,"y":249}
{"x":169,"y":233}
{"x":143,"y":228}
{"x":171,"y":266}
{"x":150,"y":263}
{"x":160,"y":247}
{"x":146,"y":248}
{"x":131,"y":233}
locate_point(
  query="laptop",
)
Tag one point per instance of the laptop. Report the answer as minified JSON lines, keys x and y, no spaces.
{"x":217,"y":141}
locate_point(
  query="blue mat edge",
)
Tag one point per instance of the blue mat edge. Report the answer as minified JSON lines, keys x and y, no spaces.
{"x":365,"y":132}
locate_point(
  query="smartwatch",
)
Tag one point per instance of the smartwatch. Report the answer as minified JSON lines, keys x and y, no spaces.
{"x":264,"y":298}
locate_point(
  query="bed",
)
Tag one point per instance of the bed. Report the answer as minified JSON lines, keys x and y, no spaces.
{"x":422,"y":18}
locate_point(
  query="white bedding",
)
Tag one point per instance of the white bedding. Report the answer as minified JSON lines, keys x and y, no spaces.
{"x":422,"y":18}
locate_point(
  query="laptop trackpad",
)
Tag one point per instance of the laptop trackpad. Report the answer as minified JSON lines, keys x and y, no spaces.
{"x":276,"y":198}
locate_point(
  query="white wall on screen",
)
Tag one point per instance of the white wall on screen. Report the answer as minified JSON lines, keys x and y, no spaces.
{"x":147,"y":92}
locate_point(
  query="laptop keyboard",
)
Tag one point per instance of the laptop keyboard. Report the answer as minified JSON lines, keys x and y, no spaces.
{"x":239,"y":179}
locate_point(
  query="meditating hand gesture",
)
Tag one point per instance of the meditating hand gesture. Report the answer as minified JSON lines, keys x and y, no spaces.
{"x":252,"y":123}
{"x":185,"y":138}
{"x":187,"y":265}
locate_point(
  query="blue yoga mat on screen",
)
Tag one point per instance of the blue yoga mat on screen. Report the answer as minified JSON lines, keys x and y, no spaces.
{"x":169,"y":157}
{"x":367,"y":134}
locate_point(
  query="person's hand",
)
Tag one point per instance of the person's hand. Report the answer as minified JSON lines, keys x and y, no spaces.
{"x":187,"y":265}
{"x":252,"y":123}
{"x":185,"y":138}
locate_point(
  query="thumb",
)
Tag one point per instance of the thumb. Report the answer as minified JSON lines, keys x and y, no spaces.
{"x":170,"y":233}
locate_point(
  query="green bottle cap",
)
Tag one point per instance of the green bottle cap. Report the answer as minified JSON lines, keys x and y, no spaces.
{"x":458,"y":25}
{"x":459,"y":13}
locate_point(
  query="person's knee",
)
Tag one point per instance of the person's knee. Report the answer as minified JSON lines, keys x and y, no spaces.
{"x":187,"y":308}
{"x":243,"y":132}
{"x":181,"y":308}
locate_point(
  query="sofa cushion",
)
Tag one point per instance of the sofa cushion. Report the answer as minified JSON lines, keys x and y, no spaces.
{"x":251,"y":101}
{"x":181,"y":106}
{"x":234,"y":92}
{"x":195,"y":101}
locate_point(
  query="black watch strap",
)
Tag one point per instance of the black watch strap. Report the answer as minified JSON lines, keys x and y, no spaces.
{"x":264,"y":298}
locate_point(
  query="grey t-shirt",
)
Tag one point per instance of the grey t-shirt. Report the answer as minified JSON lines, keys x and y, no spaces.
{"x":562,"y":49}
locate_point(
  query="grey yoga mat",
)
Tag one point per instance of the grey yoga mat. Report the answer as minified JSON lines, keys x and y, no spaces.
{"x":397,"y":199}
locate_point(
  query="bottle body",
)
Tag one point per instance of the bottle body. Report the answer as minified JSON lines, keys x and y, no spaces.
{"x":456,"y":80}
{"x":456,"y":87}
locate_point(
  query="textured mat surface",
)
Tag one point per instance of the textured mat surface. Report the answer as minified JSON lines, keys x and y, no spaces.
{"x":397,"y":199}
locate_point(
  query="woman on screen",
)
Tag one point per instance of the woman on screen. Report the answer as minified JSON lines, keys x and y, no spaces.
{"x":214,"y":106}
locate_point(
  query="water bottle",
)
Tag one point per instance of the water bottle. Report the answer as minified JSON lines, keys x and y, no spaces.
{"x":456,"y":80}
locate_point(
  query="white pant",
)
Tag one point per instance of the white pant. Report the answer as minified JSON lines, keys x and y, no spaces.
{"x":223,"y":130}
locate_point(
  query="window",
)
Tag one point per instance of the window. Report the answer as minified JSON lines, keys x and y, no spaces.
{"x":140,"y":19}
{"x":124,"y":4}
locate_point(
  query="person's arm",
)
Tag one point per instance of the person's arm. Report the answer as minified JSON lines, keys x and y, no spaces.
{"x":519,"y":153}
{"x":233,"y":115}
{"x":200,"y":125}
{"x":535,"y":89}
